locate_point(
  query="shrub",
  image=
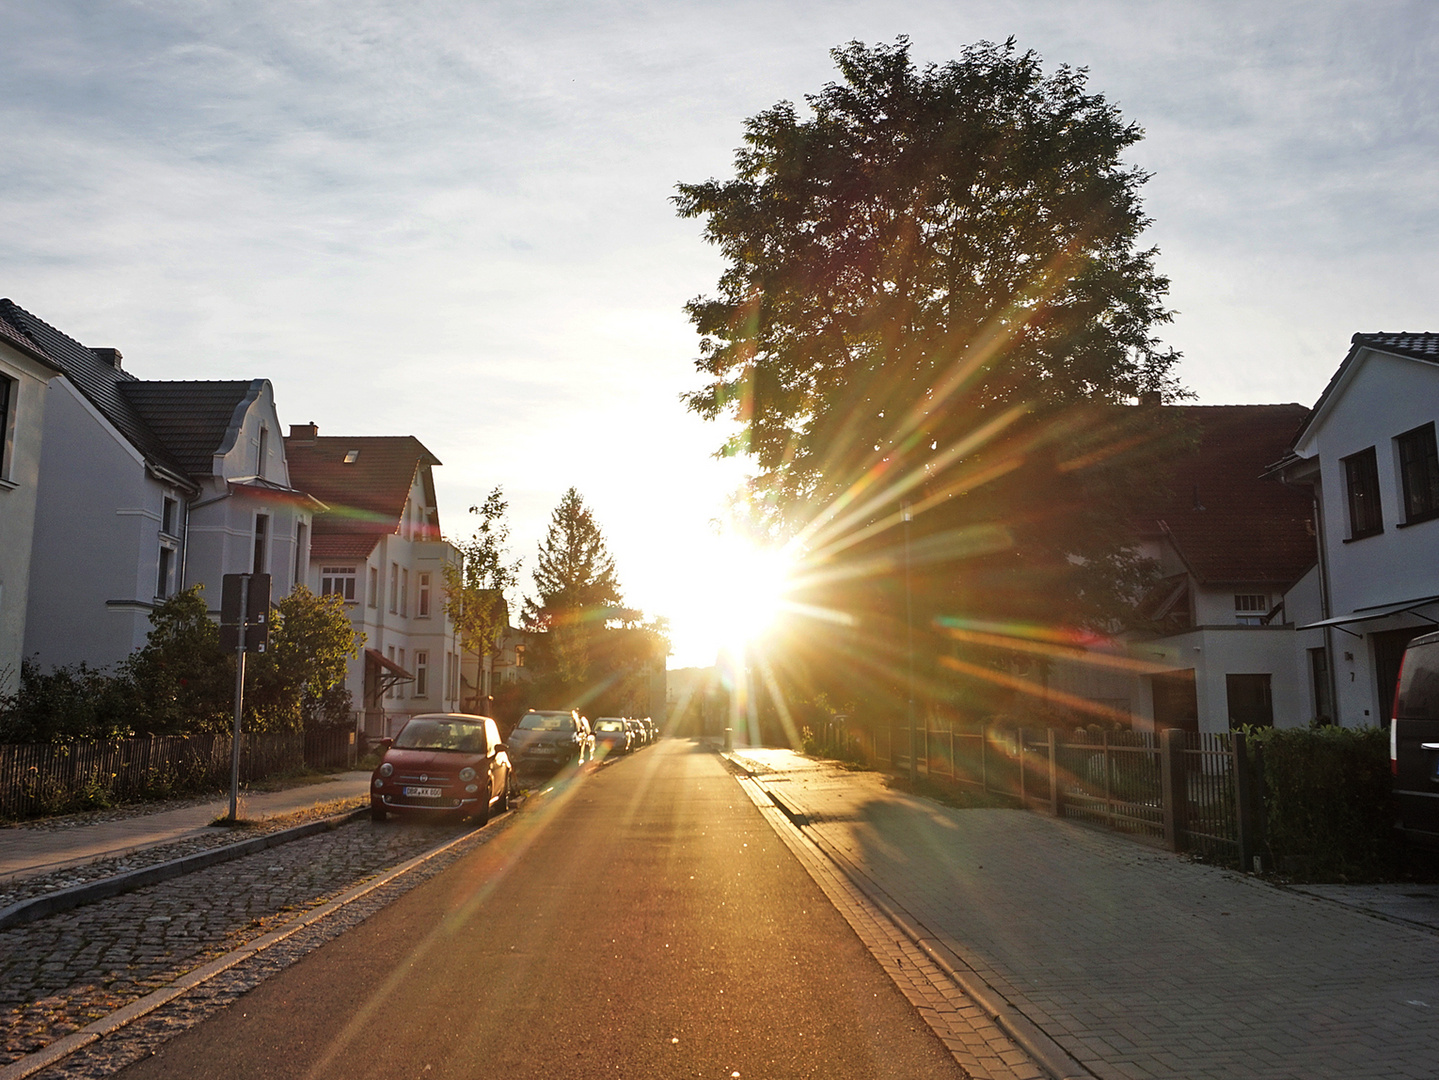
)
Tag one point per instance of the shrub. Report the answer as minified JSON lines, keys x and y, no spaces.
{"x":1327,"y":802}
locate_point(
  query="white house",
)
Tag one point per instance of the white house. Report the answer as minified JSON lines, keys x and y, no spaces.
{"x":1367,"y":454}
{"x":25,"y":373}
{"x":146,"y":488}
{"x":378,"y":546}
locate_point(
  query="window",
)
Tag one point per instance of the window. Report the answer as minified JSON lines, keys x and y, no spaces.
{"x":390,"y":656}
{"x":162,"y":578}
{"x":519,"y":656}
{"x":167,"y":517}
{"x":405,"y":592}
{"x":424,"y":600}
{"x":262,"y":544}
{"x":394,"y":587}
{"x":301,"y":531}
{"x":1419,"y":472}
{"x":262,"y":453}
{"x":1251,"y":608}
{"x":1361,"y":481}
{"x":374,"y":586}
{"x":338,"y":580}
{"x":422,"y":674}
{"x":1250,"y":704}
{"x":8,"y":395}
{"x":449,"y":675}
{"x":400,"y":687}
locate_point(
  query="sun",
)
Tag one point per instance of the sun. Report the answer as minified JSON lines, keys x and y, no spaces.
{"x":732,"y":603}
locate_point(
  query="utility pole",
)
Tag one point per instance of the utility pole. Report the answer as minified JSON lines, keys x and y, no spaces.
{"x":909,"y":648}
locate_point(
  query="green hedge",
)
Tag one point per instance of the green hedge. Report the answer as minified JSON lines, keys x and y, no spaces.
{"x":1327,"y":803}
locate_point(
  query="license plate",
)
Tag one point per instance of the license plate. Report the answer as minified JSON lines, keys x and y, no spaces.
{"x":422,"y":792}
{"x":543,"y":750}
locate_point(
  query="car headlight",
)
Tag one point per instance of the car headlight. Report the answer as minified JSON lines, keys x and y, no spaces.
{"x":386,"y":769}
{"x":467,"y":774}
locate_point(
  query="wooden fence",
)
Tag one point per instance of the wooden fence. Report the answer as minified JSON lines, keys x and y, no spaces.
{"x":42,"y":778}
{"x":1190,"y":791}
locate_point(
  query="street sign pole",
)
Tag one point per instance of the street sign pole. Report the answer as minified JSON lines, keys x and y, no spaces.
{"x":239,"y":696}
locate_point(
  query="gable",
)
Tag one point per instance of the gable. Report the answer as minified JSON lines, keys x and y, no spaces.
{"x":366,"y":495}
{"x":1404,"y":358}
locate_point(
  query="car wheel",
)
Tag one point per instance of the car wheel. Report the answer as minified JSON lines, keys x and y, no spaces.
{"x":482,"y":815}
{"x":504,"y":804}
{"x":377,"y":812}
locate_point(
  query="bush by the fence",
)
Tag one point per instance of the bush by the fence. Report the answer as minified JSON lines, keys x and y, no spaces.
{"x":1327,"y":802}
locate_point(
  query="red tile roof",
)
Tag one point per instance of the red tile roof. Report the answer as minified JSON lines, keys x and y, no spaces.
{"x":366,"y":497}
{"x":1228,"y":524}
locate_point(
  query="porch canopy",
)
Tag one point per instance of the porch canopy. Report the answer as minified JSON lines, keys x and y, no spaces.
{"x":1377,"y":611}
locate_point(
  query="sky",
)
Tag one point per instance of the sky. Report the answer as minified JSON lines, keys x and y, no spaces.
{"x":452,"y":220}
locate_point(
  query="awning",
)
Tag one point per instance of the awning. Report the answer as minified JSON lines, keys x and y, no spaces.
{"x":389,"y":669}
{"x":1378,"y":611}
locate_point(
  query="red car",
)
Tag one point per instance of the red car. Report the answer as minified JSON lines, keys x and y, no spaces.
{"x":443,"y":765}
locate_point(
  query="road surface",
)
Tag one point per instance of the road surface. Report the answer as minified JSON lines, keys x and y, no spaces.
{"x":642,"y":922}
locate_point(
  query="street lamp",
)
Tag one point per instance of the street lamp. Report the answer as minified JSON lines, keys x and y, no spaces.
{"x":909,"y":647}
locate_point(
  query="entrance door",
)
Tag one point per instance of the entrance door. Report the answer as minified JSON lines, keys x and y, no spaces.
{"x":1388,"y":651}
{"x":1176,"y":703}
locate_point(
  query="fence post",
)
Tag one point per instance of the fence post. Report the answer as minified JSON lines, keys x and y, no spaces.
{"x":1056,"y":789}
{"x":1174,"y":784}
{"x":1108,"y":802}
{"x":1243,"y":804}
{"x":1019,"y":744}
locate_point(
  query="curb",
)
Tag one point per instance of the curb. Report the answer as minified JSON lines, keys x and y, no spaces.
{"x":1027,"y":1035}
{"x":66,"y":899}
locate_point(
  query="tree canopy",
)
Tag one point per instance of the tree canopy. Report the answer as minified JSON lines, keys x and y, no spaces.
{"x":970,"y":222}
{"x":475,"y":592}
{"x":577,"y":591}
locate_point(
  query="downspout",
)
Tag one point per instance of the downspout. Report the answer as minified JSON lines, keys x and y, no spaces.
{"x":1325,"y":607}
{"x":185,"y":546}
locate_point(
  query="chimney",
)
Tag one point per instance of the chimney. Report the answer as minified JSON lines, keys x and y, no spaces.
{"x":1150,"y":399}
{"x":305,"y":432}
{"x":108,"y":356}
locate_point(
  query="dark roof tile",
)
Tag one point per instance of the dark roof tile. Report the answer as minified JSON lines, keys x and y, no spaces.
{"x":194,"y":420}
{"x":367,"y":496}
{"x":1228,"y":523}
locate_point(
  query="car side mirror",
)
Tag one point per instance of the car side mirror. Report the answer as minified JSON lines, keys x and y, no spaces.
{"x":385,"y":744}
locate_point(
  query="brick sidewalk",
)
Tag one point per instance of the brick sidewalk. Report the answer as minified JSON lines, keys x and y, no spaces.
{"x":1136,"y":962}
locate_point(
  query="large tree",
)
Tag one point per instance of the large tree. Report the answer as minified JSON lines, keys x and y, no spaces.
{"x":577,"y":592}
{"x":934,"y":304}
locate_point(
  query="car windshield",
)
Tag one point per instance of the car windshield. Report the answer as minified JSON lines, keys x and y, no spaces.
{"x":609,"y":725}
{"x":422,"y":734}
{"x":547,"y":722}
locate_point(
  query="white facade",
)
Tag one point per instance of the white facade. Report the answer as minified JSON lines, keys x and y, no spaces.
{"x":115,"y":536}
{"x":1381,"y":584}
{"x":24,"y":383}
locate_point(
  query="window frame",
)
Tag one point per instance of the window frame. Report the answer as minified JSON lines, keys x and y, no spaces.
{"x":422,"y":599}
{"x":260,"y":563}
{"x":1361,"y":494}
{"x":9,"y":408}
{"x":422,"y":673}
{"x":331,"y":576}
{"x":1418,"y":473}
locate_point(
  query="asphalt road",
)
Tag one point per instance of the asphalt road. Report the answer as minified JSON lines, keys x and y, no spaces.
{"x":643,"y":922}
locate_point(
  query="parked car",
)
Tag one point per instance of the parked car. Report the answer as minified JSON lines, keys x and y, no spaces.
{"x":654,"y":729}
{"x":550,"y":739}
{"x":612,"y":736}
{"x":637,"y":732}
{"x":443,"y":764}
{"x":1414,"y":743}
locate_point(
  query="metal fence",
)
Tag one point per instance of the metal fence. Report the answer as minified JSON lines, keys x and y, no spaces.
{"x":1190,"y":791}
{"x":42,"y":778}
{"x":330,"y":748}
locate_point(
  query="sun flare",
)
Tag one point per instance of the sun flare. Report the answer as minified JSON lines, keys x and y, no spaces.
{"x":737,"y":601}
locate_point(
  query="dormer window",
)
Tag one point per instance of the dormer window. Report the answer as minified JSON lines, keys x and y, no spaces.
{"x":1251,"y":608}
{"x":351,"y":456}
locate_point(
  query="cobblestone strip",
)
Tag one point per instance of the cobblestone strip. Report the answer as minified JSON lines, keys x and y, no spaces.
{"x":16,"y":889}
{"x":67,"y":971}
{"x":977,"y":1044}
